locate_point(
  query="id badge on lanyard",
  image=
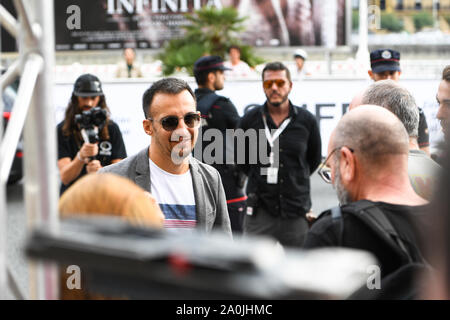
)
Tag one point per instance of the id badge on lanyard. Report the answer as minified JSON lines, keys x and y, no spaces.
{"x":272,"y":171}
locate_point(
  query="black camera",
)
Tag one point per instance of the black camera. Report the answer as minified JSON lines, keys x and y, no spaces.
{"x":91,"y":122}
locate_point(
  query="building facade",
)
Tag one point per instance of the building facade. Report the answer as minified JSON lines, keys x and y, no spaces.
{"x":408,"y":5}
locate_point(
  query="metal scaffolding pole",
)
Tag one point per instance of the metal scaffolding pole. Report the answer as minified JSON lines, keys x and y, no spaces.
{"x":363,"y":55}
{"x":41,"y":174}
{"x":35,"y":33}
{"x":9,"y":22}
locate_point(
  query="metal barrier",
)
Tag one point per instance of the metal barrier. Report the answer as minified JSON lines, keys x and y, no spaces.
{"x":32,"y":112}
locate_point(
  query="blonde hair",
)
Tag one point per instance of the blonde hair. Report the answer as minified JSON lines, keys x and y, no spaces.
{"x":109,"y":194}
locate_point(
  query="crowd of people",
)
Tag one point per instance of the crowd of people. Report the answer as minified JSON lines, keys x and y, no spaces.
{"x":378,"y":162}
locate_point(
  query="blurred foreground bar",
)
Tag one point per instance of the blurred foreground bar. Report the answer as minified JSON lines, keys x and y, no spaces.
{"x":117,"y":259}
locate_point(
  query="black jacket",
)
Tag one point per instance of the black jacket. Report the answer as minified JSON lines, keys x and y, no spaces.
{"x":220,"y":115}
{"x":299,"y":156}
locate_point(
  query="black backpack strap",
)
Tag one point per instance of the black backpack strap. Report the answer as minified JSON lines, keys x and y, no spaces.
{"x":206,"y":102}
{"x":375,"y":219}
{"x":336,"y":216}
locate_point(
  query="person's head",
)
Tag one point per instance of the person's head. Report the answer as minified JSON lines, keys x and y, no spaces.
{"x":129,"y":55}
{"x":300,"y":56}
{"x":443,"y":98}
{"x":385,"y":64}
{"x":209,"y":72}
{"x":368,"y":144}
{"x":111,"y":195}
{"x":106,"y":195}
{"x":277,"y":83}
{"x":356,"y":101}
{"x":171,"y":118}
{"x":235,"y":54}
{"x":390,"y":95}
{"x":87,"y":93}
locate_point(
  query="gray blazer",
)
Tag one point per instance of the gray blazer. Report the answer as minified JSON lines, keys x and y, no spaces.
{"x":210,"y":201}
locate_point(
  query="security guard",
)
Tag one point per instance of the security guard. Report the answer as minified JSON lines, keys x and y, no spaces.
{"x":385,"y":64}
{"x":219,"y":113}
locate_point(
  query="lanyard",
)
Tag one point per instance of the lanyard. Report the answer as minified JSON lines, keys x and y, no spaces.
{"x":271,"y":139}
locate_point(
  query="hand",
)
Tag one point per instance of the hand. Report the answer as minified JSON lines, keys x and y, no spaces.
{"x":89,"y":150}
{"x":93,"y":166}
{"x":310,"y":218}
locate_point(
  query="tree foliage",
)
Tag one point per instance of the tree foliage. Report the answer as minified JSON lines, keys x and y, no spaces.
{"x":391,"y":22}
{"x":422,"y":19}
{"x":211,"y":31}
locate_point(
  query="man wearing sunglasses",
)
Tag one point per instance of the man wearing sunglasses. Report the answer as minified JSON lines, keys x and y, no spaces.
{"x":219,"y":113}
{"x":368,"y":166}
{"x":190,"y":193}
{"x":279,"y":192}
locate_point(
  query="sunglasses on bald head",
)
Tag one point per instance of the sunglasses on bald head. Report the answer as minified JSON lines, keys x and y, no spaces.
{"x":267,"y":84}
{"x":170,"y":123}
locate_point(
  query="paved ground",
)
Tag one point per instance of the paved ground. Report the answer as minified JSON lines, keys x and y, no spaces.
{"x":323,"y":197}
{"x":16,"y":234}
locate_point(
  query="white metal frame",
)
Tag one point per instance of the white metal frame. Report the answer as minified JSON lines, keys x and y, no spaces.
{"x":363,"y":55}
{"x":32,"y":112}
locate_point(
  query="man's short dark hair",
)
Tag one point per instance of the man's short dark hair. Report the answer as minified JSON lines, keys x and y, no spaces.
{"x":234,"y":47}
{"x":446,"y":73}
{"x":201,"y":77}
{"x":166,"y":85}
{"x":276,"y":66}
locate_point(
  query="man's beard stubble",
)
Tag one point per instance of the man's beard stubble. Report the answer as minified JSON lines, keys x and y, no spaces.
{"x":342,"y":194}
{"x":277,"y":104}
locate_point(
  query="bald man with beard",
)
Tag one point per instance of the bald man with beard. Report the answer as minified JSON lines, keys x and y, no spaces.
{"x":368,"y":167}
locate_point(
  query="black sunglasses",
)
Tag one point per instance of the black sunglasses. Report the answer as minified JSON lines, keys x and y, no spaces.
{"x":325,"y":171}
{"x":170,"y":123}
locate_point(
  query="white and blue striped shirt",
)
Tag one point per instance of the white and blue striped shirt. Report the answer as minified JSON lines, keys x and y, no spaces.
{"x":175,"y":196}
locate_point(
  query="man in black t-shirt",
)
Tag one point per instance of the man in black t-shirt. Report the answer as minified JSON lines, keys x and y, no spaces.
{"x":219,"y":113}
{"x":76,"y":157}
{"x":368,"y":161}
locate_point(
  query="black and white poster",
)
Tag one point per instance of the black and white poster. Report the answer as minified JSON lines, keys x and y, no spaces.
{"x":116,"y":24}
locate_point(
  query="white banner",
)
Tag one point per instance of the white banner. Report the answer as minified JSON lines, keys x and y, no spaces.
{"x":327,"y":99}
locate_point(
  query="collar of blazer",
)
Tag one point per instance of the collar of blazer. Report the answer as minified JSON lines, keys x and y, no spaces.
{"x":143,"y":180}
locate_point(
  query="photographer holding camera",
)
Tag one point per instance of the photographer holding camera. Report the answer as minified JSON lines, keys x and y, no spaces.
{"x":87,"y":139}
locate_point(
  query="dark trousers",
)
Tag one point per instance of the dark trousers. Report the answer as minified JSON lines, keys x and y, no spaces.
{"x":288,"y":231}
{"x":236,"y":211}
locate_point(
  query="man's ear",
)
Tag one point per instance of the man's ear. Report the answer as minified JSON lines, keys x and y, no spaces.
{"x":370,"y":74}
{"x":347,"y":165}
{"x":148,"y":128}
{"x":211,"y":77}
